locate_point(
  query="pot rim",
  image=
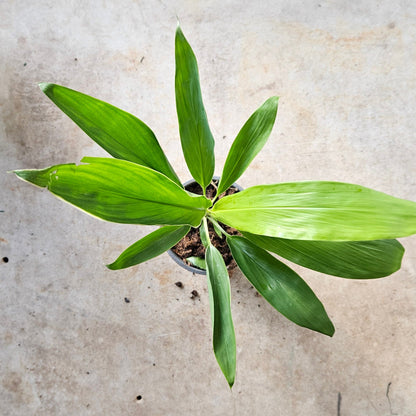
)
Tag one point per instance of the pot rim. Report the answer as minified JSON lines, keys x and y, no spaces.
{"x":174,"y":256}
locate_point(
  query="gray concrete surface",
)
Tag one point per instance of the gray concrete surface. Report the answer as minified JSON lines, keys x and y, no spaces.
{"x":69,"y":343}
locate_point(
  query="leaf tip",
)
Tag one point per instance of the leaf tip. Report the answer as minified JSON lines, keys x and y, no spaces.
{"x":17,"y":172}
{"x":178,"y":28}
{"x":114,"y":266}
{"x":45,"y":86}
{"x":273,"y":102}
{"x":330,"y":331}
{"x":36,"y":177}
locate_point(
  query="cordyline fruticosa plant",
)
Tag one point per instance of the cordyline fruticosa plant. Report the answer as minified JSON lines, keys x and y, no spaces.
{"x":336,"y":228}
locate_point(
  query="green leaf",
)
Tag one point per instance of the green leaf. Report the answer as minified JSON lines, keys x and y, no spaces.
{"x":120,"y":191}
{"x":318,"y":211}
{"x":280,"y":286}
{"x":197,"y":262}
{"x":220,"y":302}
{"x":150,"y":246}
{"x":196,"y":137}
{"x":121,"y":134}
{"x":248,"y":143}
{"x":350,"y":259}
{"x":204,"y":233}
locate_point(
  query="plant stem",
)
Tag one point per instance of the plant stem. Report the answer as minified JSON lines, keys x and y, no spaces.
{"x":215,"y":186}
{"x":217,"y":225}
{"x":216,"y":192}
{"x":204,"y":233}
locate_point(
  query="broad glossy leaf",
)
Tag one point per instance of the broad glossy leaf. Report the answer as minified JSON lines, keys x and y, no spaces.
{"x":248,"y":143}
{"x":280,"y":286}
{"x":150,"y":246}
{"x":220,"y":302}
{"x":196,"y":137}
{"x":318,"y":211}
{"x":350,"y":259}
{"x":121,"y":134}
{"x":120,"y":191}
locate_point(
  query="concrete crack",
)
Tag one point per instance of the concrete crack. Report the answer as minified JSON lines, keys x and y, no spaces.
{"x":339,"y":404}
{"x":388,"y":398}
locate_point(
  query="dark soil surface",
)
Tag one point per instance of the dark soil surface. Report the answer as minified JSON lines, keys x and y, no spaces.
{"x":191,"y":245}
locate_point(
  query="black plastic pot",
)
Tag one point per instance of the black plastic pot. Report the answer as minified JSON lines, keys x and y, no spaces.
{"x":181,"y":263}
{"x":174,"y":256}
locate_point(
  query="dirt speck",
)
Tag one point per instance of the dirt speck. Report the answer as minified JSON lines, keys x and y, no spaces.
{"x":194,"y":294}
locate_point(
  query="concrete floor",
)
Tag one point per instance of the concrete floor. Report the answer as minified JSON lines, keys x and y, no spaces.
{"x":69,"y":342}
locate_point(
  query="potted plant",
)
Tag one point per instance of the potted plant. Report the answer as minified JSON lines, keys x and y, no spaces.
{"x":336,"y":228}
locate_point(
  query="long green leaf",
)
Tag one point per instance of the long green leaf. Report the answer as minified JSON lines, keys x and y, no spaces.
{"x":280,"y":286}
{"x":150,"y":246}
{"x":318,"y":211}
{"x":196,"y":137}
{"x":220,"y":301}
{"x":350,"y":259}
{"x":120,"y":191}
{"x":121,"y":134}
{"x":248,"y":143}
